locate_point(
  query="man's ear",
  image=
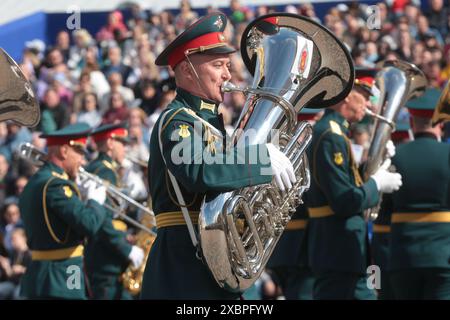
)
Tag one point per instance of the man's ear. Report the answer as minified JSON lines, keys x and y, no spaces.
{"x":110,"y":143}
{"x":186,"y":69}
{"x":63,"y":152}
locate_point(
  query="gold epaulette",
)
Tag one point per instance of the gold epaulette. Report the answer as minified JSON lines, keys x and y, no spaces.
{"x":63,"y":175}
{"x":335,"y":127}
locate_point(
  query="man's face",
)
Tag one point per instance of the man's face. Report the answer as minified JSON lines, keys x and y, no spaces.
{"x":357,"y":104}
{"x":213,"y":71}
{"x":118,"y":151}
{"x":74,"y":159}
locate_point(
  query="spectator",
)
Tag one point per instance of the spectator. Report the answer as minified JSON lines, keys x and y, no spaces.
{"x":438,"y":16}
{"x":10,"y":220}
{"x":186,"y":16}
{"x":89,"y":111}
{"x":55,"y":114}
{"x":115,"y":64}
{"x":83,"y":40}
{"x":118,"y":111}
{"x":115,"y":83}
{"x":115,"y":28}
{"x":14,"y":267}
{"x":63,"y":44}
{"x":5,"y":178}
{"x":16,"y":135}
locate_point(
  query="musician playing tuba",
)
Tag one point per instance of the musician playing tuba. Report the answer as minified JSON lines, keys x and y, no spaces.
{"x":108,"y":253}
{"x":180,"y":179}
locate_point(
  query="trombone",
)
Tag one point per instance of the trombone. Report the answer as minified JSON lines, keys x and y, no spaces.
{"x":28,"y":151}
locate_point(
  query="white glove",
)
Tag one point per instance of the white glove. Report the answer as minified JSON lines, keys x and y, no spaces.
{"x":387,"y":182}
{"x":390,"y":149}
{"x":136,"y":256}
{"x":282,"y":168}
{"x":93,"y":191}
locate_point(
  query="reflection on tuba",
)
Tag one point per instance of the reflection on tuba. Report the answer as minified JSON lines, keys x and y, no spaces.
{"x":295,"y":63}
{"x":398,"y":81}
{"x":442,"y":110}
{"x":17,"y":99}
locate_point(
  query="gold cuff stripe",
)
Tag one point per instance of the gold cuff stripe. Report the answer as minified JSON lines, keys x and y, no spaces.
{"x":437,"y":216}
{"x":174,"y":218}
{"x":297,"y":224}
{"x":379,"y":228}
{"x":320,"y":212}
{"x":57,"y":254}
{"x":119,"y":225}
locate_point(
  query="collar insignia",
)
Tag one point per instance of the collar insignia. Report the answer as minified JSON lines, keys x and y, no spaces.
{"x":208,"y":106}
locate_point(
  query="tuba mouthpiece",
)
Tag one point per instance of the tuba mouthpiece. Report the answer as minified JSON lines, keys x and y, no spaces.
{"x":229,"y":87}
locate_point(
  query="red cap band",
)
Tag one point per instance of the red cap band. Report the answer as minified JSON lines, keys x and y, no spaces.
{"x":59,"y":141}
{"x":179,"y":53}
{"x":115,"y":133}
{"x":421,"y":113}
{"x":368,"y":81}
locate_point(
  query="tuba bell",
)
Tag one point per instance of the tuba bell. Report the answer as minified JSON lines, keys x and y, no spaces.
{"x":398,"y":81}
{"x":295,"y":63}
{"x":17,"y":99}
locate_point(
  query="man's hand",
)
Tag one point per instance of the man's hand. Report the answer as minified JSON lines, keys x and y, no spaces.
{"x":282,"y":168}
{"x":136,"y":256}
{"x":93,"y":191}
{"x":387,"y":182}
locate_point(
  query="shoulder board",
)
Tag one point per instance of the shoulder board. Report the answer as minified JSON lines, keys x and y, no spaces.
{"x":63,"y":176}
{"x":335,"y":127}
{"x":109,"y":165}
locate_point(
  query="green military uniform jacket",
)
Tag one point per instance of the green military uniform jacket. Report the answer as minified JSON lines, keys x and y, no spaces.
{"x":107,"y":252}
{"x":420,"y":223}
{"x":56,"y":221}
{"x":337,"y":233}
{"x":173,"y":271}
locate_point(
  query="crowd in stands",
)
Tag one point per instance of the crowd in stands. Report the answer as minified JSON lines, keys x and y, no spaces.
{"x":111,"y":76}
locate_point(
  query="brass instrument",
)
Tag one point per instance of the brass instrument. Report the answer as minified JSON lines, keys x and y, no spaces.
{"x":17,"y":99}
{"x":28,"y":151}
{"x":442,"y":110}
{"x":295,"y":62}
{"x":132,"y":277}
{"x":398,"y":82}
{"x":138,"y":162}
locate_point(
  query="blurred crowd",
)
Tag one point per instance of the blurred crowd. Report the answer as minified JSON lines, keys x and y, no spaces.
{"x":111,"y":77}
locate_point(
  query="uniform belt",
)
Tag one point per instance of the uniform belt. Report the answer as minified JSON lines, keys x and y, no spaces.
{"x":57,"y":254}
{"x":320,"y":212}
{"x":296,"y":224}
{"x":174,"y":218}
{"x":119,"y":225}
{"x":436,"y":216}
{"x":381,"y":228}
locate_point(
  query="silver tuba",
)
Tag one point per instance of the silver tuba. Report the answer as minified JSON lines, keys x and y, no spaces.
{"x":398,"y":81}
{"x":295,"y":63}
